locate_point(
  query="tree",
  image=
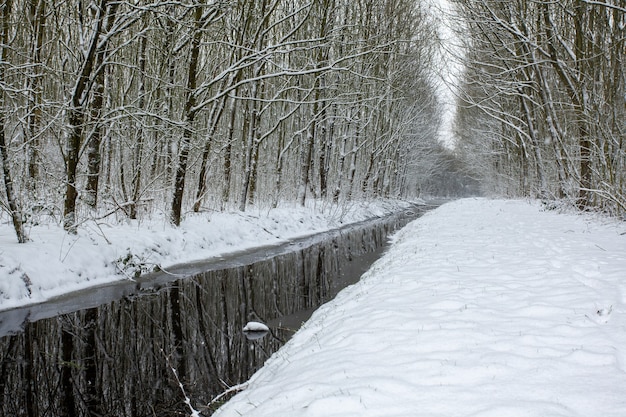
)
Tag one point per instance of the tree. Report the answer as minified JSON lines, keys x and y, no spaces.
{"x":201,"y":19}
{"x":561,"y":62}
{"x":125,"y":108}
{"x":12,"y":205}
{"x":90,"y":72}
{"x":37,"y":20}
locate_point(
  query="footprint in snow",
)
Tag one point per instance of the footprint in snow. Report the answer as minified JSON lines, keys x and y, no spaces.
{"x":602,"y":315}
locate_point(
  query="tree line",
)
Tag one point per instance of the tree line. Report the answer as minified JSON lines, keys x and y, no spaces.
{"x":129,"y":107}
{"x":543,"y":105}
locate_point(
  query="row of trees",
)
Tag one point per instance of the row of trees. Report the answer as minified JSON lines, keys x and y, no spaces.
{"x":128,"y":106}
{"x":543,"y":107}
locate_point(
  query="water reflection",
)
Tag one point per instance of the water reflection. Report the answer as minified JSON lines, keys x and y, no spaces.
{"x":125,"y":358}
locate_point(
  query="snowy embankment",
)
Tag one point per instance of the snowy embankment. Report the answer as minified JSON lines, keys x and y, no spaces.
{"x":54,"y":263}
{"x":480,"y":308}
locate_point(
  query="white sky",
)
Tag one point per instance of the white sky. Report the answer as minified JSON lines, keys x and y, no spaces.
{"x":450,"y":65}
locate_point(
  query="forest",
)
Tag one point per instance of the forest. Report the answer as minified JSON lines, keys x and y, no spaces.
{"x":130,"y":108}
{"x":542,"y":101}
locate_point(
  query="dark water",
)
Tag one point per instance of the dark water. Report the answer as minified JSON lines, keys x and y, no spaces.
{"x":121,"y":349}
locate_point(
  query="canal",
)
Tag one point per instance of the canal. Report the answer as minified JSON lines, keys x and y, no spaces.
{"x":126,"y":348}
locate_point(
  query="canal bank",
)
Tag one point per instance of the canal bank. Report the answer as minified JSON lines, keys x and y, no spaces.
{"x":112,"y":248}
{"x":119,"y":349}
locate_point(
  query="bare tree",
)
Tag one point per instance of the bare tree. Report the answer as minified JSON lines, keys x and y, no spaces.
{"x":37,"y":20}
{"x":88,"y":74}
{"x":189,"y":111}
{"x":561,"y":61}
{"x":12,"y":205}
{"x":137,"y":107}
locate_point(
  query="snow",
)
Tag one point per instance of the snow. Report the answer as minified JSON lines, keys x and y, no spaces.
{"x":255,"y":326}
{"x":255,"y":330}
{"x":481,"y":308}
{"x":55,"y":263}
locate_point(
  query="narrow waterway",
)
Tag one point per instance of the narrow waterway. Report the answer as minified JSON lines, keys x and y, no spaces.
{"x":122,"y":349}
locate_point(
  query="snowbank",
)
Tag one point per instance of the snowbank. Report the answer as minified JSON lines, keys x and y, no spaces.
{"x":481,"y":308}
{"x":55,"y":263}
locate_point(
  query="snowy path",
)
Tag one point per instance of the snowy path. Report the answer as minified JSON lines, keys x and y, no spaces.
{"x":481,"y":308}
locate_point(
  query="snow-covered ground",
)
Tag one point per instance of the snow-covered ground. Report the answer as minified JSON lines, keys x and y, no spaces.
{"x":481,"y":308}
{"x":55,"y":263}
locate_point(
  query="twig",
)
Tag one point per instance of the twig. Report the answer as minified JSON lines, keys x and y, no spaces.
{"x":102,"y":233}
{"x":194,"y":412}
{"x":63,"y":258}
{"x":234,"y":388}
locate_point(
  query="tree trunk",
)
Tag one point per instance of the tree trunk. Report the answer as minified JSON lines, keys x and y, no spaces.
{"x":93,"y":142}
{"x":584,"y":195}
{"x":38,"y":19}
{"x":255,"y":168}
{"x":232,"y":110}
{"x":214,"y":118}
{"x":256,"y":143}
{"x":340,"y":167}
{"x":532,"y":133}
{"x":189,"y":117}
{"x":278,"y":169}
{"x":306,"y":151}
{"x":14,"y":210}
{"x":138,"y":152}
{"x":576,"y":92}
{"x":249,"y":144}
{"x":76,"y":119}
{"x":554,"y":129}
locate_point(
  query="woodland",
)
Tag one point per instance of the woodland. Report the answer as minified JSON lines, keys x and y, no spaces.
{"x":542,"y":101}
{"x":131,"y":108}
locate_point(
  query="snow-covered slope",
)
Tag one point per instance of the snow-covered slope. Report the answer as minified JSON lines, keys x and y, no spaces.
{"x":54,"y":263}
{"x":481,"y":308}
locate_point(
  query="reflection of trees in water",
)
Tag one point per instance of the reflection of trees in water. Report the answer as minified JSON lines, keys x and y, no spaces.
{"x":118,"y":359}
